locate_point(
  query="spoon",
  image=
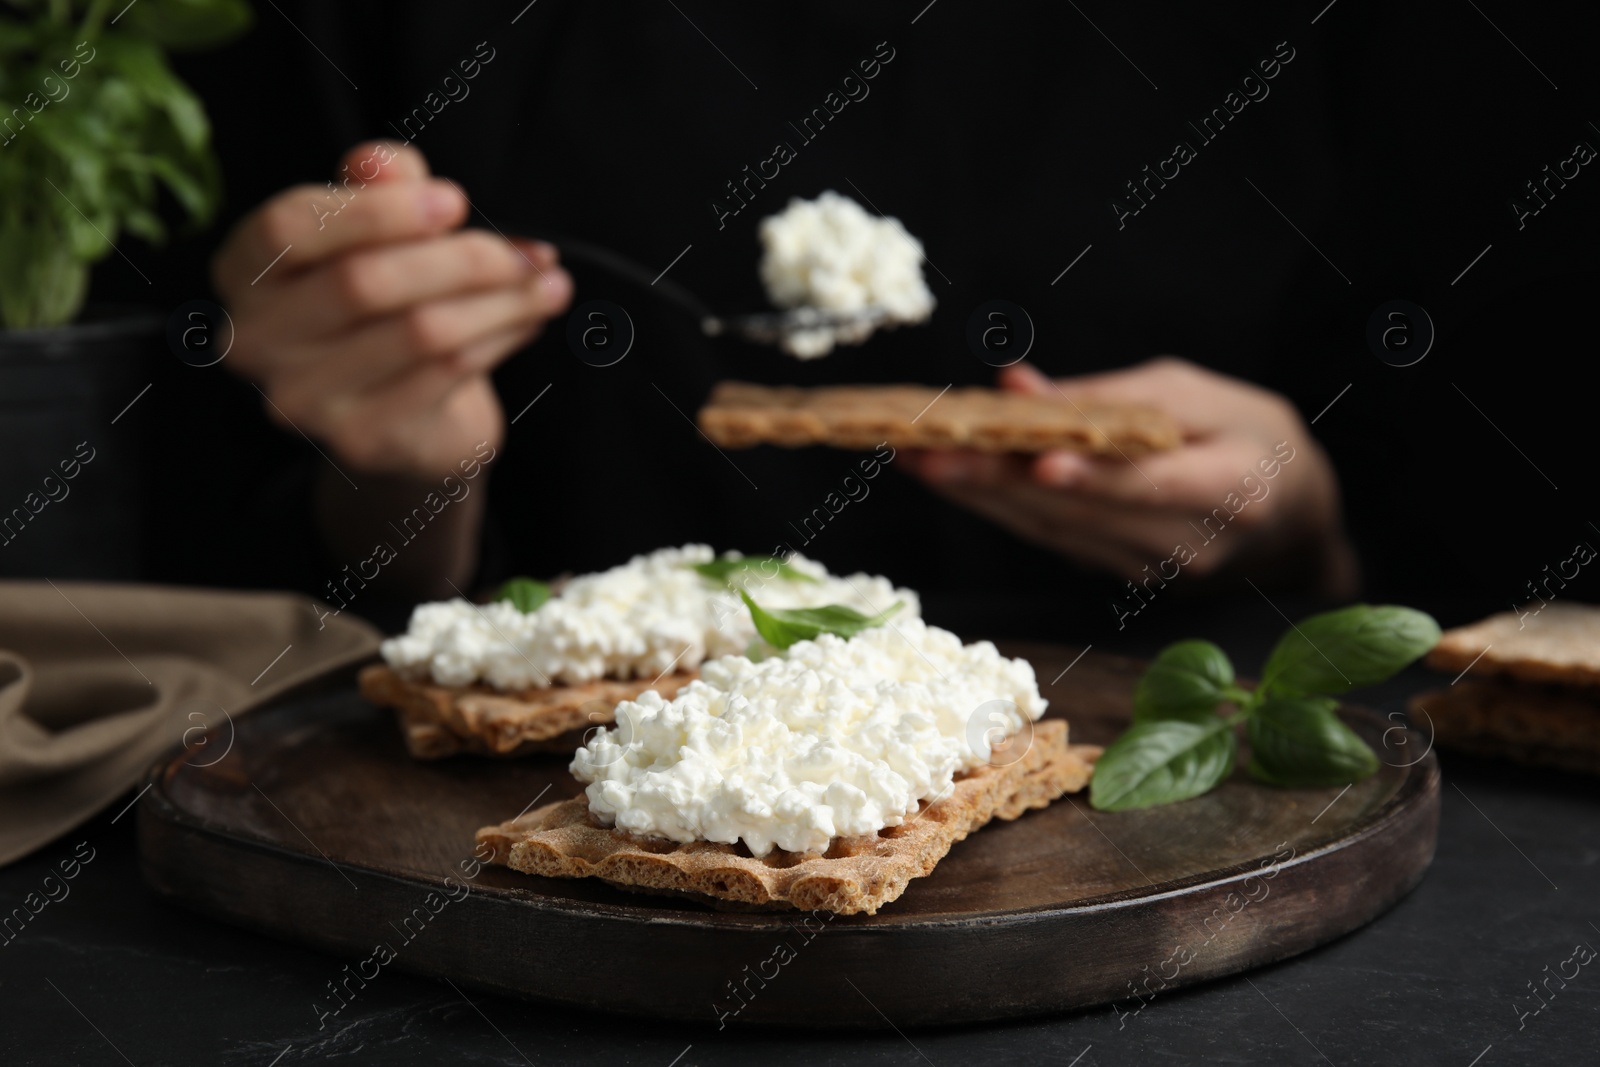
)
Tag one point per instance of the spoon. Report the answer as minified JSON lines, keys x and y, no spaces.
{"x":780,"y":327}
{"x":763,"y":327}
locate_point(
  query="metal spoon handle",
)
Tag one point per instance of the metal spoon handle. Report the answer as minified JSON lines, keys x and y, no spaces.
{"x":771,"y":327}
{"x":766,"y":327}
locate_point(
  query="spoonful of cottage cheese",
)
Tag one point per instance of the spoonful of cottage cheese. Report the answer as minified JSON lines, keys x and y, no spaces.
{"x":841,"y":273}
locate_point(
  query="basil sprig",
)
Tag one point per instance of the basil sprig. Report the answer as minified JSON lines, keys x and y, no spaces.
{"x":525,"y":594}
{"x":1180,"y":747}
{"x":723,"y":568}
{"x":782,"y":627}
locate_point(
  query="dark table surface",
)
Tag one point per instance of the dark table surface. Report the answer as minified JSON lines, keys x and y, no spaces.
{"x":110,"y":974}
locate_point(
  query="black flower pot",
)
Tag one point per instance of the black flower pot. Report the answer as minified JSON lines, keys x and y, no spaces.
{"x":72,"y":448}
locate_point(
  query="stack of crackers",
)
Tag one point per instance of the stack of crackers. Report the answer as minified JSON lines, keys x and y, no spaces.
{"x":1528,"y":687}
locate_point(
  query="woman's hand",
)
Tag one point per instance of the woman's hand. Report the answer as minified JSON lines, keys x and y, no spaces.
{"x":371,"y":321}
{"x":1249,"y":489}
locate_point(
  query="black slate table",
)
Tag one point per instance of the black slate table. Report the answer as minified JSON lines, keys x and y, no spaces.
{"x":108,"y":974}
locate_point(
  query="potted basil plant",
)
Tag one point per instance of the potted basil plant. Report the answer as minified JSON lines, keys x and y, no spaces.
{"x":99,"y":140}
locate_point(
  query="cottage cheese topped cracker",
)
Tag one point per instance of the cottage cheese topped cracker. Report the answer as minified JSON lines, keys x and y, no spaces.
{"x":835,"y":738}
{"x":650,"y":615}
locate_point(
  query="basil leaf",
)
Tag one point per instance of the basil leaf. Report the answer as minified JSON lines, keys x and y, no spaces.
{"x":1186,"y":681}
{"x":187,"y":24}
{"x":1300,"y":741}
{"x":723,"y":568}
{"x":1161,"y":762}
{"x":1340,"y":650}
{"x":525,"y":594}
{"x":782,"y":627}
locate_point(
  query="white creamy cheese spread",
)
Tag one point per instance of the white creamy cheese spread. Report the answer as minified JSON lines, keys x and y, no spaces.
{"x":828,"y":253}
{"x":835,"y":738}
{"x":638,"y":620}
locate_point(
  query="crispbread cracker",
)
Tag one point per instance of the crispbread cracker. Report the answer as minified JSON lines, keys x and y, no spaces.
{"x":427,"y":738}
{"x":1559,"y":642}
{"x":739,"y":415}
{"x":1547,"y":725}
{"x":440,"y":720}
{"x":856,"y":874}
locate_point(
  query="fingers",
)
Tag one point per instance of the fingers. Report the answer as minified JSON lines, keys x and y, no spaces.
{"x":282,"y":221}
{"x":1201,"y":401}
{"x":1123,"y":513}
{"x":963,"y":466}
{"x":1193,"y":476}
{"x":376,"y":282}
{"x":486,"y":354}
{"x":1024,"y":378}
{"x":1052,"y":470}
{"x":309,"y":224}
{"x":383,"y":161}
{"x":1165,"y":383}
{"x":1057,"y":470}
{"x":1153,"y":380}
{"x":372,"y":326}
{"x":442,"y":331}
{"x":1061,"y":470}
{"x":1230,"y":426}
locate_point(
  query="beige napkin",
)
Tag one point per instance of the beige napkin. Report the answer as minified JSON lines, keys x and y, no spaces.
{"x":97,"y":680}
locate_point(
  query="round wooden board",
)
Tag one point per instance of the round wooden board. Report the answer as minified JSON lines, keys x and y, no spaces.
{"x":318,"y":827}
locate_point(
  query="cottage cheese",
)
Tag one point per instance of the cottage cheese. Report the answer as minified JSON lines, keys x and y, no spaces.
{"x":828,"y":253}
{"x":835,"y":738}
{"x":638,"y":620}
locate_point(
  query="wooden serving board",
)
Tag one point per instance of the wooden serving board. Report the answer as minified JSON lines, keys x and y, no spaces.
{"x":319,"y":828}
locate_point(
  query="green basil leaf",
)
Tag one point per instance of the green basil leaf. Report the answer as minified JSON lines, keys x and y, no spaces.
{"x":782,"y":627}
{"x":1301,"y":742}
{"x":525,"y":594}
{"x":1186,"y":681}
{"x":1341,"y":650}
{"x":723,"y":568}
{"x":187,"y":24}
{"x":1162,"y":762}
{"x":194,"y":187}
{"x":145,"y":68}
{"x":142,"y":222}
